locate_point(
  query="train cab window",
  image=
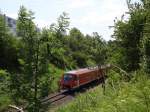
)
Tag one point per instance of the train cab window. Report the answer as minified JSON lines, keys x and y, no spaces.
{"x":68,"y":77}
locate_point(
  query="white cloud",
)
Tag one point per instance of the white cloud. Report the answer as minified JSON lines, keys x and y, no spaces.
{"x":87,"y":15}
{"x":101,"y":16}
{"x":80,"y":3}
{"x":13,"y":15}
{"x":106,"y":13}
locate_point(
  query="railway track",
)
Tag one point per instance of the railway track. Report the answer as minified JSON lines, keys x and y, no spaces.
{"x":56,"y":98}
{"x":64,"y":96}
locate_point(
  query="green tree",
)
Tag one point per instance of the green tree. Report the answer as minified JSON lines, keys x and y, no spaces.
{"x":100,"y":49}
{"x":33,"y":58}
{"x":146,"y":38}
{"x":129,"y":35}
{"x":8,"y":47}
{"x":60,"y":28}
{"x":56,"y":38}
{"x":78,"y":47}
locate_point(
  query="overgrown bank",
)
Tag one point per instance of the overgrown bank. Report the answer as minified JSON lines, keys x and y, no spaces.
{"x":26,"y":73}
{"x":32,"y":61}
{"x":119,"y":96}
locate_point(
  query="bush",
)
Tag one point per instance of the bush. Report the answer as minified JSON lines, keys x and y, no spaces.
{"x":5,"y":99}
{"x":133,"y":96}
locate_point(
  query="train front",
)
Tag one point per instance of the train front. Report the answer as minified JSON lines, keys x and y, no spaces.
{"x":68,"y":81}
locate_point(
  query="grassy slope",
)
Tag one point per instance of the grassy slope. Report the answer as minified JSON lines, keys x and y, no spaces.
{"x":120,"y":96}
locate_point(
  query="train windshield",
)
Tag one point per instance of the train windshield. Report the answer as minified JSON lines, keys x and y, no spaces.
{"x":68,"y":77}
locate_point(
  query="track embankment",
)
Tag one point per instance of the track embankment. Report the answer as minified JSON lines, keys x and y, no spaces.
{"x":65,"y":96}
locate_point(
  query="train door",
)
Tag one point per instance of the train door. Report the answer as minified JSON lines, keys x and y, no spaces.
{"x":77,"y":83}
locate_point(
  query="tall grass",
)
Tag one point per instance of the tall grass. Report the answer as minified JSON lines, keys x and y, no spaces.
{"x":120,"y":96}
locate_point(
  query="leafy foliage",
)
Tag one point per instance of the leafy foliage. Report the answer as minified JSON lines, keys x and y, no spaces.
{"x":35,"y":60}
{"x":133,"y":96}
{"x":8,"y":45}
{"x":5,"y":99}
{"x":35,"y":65}
{"x":129,"y":34}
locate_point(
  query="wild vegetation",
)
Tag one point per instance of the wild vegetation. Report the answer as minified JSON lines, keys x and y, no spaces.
{"x":119,"y":96}
{"x":32,"y":61}
{"x":125,"y":91}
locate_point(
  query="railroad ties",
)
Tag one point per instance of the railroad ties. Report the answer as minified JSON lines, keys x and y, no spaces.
{"x":57,"y":98}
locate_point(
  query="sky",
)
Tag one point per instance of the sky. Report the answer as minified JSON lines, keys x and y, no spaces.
{"x":87,"y":15}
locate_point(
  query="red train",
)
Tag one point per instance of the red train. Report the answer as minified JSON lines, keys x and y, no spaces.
{"x":76,"y":78}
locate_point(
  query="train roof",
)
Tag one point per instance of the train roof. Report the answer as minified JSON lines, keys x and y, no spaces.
{"x":87,"y":70}
{"x":82,"y":71}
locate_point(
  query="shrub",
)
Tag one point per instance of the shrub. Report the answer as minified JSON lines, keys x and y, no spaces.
{"x":5,"y":99}
{"x":133,"y":96}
